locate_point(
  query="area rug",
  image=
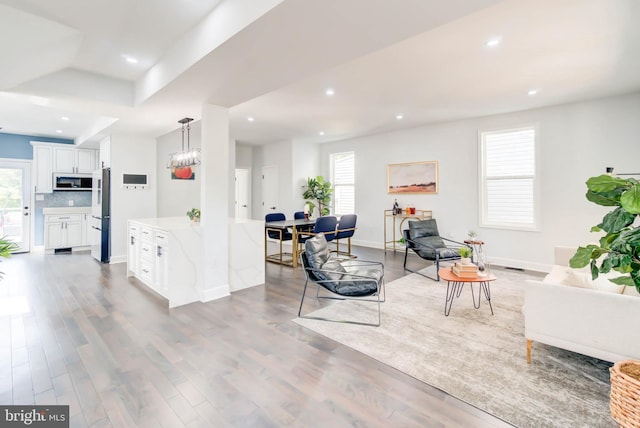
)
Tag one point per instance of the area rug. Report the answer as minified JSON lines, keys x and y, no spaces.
{"x":472,"y":355}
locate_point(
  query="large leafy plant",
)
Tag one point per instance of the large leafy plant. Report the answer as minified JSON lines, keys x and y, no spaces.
{"x":318,"y":190}
{"x":619,"y":248}
{"x":6,"y":248}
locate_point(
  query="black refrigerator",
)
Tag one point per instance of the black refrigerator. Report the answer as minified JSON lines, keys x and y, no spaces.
{"x":101,"y":215}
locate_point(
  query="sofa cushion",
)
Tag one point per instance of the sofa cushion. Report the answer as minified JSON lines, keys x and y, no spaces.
{"x":582,"y":278}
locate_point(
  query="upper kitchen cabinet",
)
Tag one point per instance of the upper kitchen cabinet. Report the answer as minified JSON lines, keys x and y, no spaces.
{"x":50,"y":157}
{"x":105,"y":153}
{"x":73,"y":160}
{"x":43,"y":171}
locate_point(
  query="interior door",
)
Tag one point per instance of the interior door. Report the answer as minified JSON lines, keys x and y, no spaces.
{"x":242,"y":193}
{"x":15,"y":202}
{"x":269,"y":189}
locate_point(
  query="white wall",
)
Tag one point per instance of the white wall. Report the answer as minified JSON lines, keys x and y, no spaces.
{"x":244,"y":156}
{"x":277,"y":154}
{"x":130,"y":155}
{"x":306,"y":163}
{"x":296,"y":161}
{"x":176,"y":197}
{"x":576,"y":141}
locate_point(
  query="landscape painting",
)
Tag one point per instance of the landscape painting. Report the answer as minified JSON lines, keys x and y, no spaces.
{"x":416,"y":177}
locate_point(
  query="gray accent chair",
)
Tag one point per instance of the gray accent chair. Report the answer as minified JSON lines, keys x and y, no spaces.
{"x":423,"y":238}
{"x":344,"y":279}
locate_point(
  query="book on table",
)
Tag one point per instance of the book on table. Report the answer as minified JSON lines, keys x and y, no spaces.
{"x":465,"y":271}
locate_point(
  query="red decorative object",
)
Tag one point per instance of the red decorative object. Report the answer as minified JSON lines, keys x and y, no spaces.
{"x":183,"y":173}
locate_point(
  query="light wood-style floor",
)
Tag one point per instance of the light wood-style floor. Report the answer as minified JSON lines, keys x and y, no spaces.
{"x":116,"y":354}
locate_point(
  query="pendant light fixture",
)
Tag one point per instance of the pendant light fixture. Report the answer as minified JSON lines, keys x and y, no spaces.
{"x":186,"y":158}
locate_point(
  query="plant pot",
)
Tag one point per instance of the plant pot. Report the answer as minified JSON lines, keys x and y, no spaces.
{"x":624,"y":402}
{"x":465,"y":260}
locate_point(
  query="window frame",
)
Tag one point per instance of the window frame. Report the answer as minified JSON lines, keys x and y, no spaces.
{"x":482,"y":182}
{"x":332,"y":157}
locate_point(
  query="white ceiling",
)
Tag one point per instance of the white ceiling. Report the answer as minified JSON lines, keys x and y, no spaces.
{"x":273,"y":59}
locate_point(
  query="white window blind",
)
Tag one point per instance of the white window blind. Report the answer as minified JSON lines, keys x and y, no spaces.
{"x":508,"y":195}
{"x":343,"y":180}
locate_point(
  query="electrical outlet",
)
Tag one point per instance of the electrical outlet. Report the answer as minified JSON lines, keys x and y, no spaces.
{"x":71,"y":203}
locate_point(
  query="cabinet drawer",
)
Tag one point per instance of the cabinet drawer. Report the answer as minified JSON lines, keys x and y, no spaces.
{"x":146,"y":272}
{"x":146,"y":250}
{"x":162,"y":239}
{"x":53,"y":218}
{"x":133,"y":229}
{"x":145,"y":233}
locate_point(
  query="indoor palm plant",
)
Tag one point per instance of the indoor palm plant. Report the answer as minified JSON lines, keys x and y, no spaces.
{"x":619,"y":251}
{"x":6,"y":248}
{"x":318,"y":191}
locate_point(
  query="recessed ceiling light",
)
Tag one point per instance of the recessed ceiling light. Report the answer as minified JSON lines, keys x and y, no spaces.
{"x":321,"y":133}
{"x":532,"y":92}
{"x":64,"y":118}
{"x":250,"y":119}
{"x":59,"y":131}
{"x":131,"y":60}
{"x":493,"y":42}
{"x":329,"y":91}
{"x":399,"y":116}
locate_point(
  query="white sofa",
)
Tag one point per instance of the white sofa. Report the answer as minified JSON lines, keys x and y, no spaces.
{"x":601,"y":324}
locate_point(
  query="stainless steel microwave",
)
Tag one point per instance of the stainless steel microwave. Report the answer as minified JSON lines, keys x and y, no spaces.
{"x":67,"y":181}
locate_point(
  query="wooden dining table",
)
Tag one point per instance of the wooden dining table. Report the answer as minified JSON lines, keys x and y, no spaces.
{"x":296,"y":226}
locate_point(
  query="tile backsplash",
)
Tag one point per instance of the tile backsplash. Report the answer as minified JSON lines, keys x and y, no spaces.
{"x":56,"y":199}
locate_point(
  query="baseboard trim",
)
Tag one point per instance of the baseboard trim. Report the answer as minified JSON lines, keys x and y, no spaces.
{"x":214,"y":293}
{"x":117,"y":259}
{"x":520,"y":264}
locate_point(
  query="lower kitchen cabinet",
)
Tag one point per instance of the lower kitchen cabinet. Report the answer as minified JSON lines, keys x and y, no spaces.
{"x":65,"y":228}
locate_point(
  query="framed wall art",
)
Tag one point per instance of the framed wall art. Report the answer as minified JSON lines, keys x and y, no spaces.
{"x":415,"y":177}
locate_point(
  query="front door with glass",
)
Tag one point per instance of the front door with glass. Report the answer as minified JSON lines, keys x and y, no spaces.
{"x":15,"y":202}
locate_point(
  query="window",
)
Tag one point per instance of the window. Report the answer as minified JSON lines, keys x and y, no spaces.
{"x":343,"y":180}
{"x":508,"y":196}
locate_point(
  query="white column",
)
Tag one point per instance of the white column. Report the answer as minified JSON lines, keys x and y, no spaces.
{"x":214,"y":200}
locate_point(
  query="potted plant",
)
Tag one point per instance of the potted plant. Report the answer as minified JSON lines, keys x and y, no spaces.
{"x":318,"y":191}
{"x":194,"y":215}
{"x":465,"y":254}
{"x":6,"y":248}
{"x":619,"y":251}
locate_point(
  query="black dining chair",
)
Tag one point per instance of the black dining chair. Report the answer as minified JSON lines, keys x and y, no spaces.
{"x":280,"y":234}
{"x":346,"y":228}
{"x":325,"y":225}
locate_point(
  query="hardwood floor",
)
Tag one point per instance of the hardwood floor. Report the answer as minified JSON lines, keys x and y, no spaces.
{"x":114,"y":352}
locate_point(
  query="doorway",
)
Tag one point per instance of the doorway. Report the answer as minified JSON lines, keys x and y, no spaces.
{"x":269,"y":189}
{"x":15,"y":202}
{"x":243,"y":193}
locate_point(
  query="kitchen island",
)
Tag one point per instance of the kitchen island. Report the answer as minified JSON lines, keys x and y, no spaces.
{"x":166,"y":255}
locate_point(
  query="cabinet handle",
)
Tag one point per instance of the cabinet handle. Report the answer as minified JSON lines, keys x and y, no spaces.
{"x":159,"y":251}
{"x":133,"y":240}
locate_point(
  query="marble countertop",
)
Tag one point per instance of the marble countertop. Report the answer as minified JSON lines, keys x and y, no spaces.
{"x":66,"y":210}
{"x":183,"y":222}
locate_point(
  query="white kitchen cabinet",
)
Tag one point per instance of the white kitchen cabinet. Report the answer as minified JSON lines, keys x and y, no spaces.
{"x":63,"y":231}
{"x":43,"y":160}
{"x":86,"y":160}
{"x":66,"y":227}
{"x":87,"y":231}
{"x":73,"y":160}
{"x":133,"y":251}
{"x":161,"y":264}
{"x":104,"y":160}
{"x":51,"y":157}
{"x":64,"y":158}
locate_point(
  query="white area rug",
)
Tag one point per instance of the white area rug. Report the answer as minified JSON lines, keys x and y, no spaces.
{"x":472,"y":355}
